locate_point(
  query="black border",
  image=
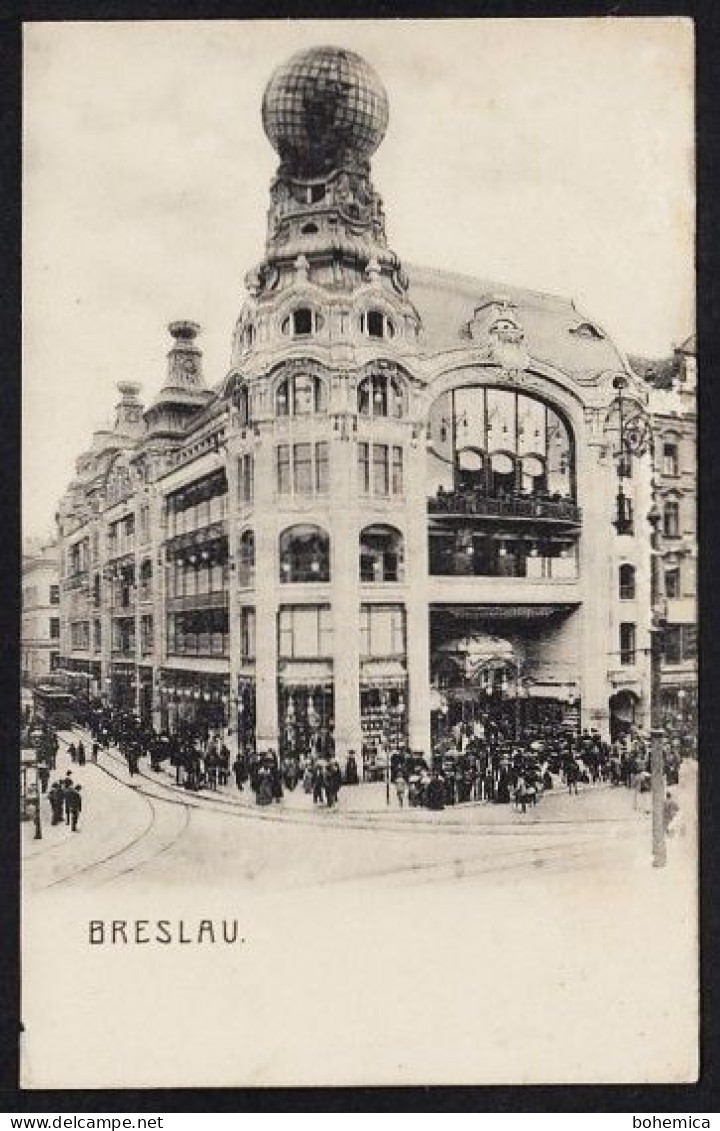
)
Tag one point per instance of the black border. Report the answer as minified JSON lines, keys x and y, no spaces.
{"x":704,"y":1097}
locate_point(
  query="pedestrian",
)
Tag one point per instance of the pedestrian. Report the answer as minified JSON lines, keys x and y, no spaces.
{"x":318,"y":782}
{"x":74,"y":801}
{"x":351,"y":769}
{"x":572,"y":773}
{"x":67,"y":787}
{"x":55,"y":797}
{"x":80,"y":754}
{"x":400,"y":789}
{"x":521,"y":794}
{"x":95,"y":752}
{"x":224,"y":768}
{"x":238,"y":772}
{"x":72,"y":752}
{"x":670,"y":811}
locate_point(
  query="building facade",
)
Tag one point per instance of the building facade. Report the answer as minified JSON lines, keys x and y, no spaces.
{"x":407,"y":501}
{"x":40,"y":634}
{"x":674,"y":418}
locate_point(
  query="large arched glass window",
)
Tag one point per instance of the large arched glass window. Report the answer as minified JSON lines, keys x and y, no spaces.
{"x":381,"y":554}
{"x":246,"y":558}
{"x":380,"y":394}
{"x":486,"y":440}
{"x":300,"y":394}
{"x":304,"y":554}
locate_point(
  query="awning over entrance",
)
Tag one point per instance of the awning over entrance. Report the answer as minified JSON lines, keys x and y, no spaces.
{"x":469,"y":614}
{"x":474,"y":656}
{"x":297,"y":673}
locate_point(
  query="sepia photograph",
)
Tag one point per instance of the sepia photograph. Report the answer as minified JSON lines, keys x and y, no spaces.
{"x":359,"y":567}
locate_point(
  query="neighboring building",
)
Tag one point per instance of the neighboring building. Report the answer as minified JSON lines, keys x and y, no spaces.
{"x":673,"y":408}
{"x":398,"y":507}
{"x":40,"y":642}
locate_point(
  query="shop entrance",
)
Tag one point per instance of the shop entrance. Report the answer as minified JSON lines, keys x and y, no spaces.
{"x":306,"y":720}
{"x":623,"y":712}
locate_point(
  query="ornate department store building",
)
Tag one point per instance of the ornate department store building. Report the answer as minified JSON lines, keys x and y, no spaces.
{"x":404,"y":504}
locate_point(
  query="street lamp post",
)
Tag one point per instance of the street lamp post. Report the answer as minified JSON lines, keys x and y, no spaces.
{"x":657,"y":768}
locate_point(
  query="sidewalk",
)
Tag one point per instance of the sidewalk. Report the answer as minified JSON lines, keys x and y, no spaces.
{"x":599,"y":803}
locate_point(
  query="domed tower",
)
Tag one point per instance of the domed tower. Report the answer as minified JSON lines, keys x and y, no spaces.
{"x":326,"y":438}
{"x":325,"y":112}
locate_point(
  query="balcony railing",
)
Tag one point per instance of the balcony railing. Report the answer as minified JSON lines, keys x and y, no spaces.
{"x":191,"y":601}
{"x":514,"y":506}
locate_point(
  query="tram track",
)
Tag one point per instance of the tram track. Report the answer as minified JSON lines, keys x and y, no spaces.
{"x":590,"y":828}
{"x":128,"y":849}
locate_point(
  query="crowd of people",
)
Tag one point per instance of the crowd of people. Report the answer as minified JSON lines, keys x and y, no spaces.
{"x":479,"y":761}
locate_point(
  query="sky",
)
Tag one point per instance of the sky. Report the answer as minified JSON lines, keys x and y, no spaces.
{"x":552,"y":154}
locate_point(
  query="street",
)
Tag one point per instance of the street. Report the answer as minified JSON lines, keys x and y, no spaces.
{"x":474,"y":945}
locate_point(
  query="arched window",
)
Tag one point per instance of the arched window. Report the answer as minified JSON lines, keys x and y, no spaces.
{"x":380,"y":394}
{"x":375,"y":324}
{"x":246,"y":558}
{"x":526,"y":447}
{"x":381,"y":554}
{"x":304,"y":554}
{"x":241,"y":401}
{"x":471,"y":469}
{"x":302,"y":322}
{"x":502,"y":474}
{"x":627,"y":582}
{"x":300,"y":394}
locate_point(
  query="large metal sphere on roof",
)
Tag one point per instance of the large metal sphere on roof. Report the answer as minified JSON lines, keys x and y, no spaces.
{"x":324,"y":104}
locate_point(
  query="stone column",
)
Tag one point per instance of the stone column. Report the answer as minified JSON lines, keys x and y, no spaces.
{"x":345,"y":597}
{"x":596,"y":489}
{"x":266,"y":597}
{"x":417,"y":608}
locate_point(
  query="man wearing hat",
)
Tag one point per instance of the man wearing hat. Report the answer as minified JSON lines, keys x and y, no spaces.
{"x":74,"y":801}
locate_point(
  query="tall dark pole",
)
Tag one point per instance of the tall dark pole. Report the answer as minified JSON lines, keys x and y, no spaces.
{"x":657,"y":768}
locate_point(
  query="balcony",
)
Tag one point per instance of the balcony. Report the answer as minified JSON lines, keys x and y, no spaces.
{"x":526,"y":508}
{"x":191,"y":602}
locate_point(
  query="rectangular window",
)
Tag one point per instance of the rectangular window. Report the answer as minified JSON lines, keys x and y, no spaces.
{"x":382,"y":630}
{"x":303,"y":469}
{"x":282,"y":456}
{"x":146,"y":631}
{"x":364,"y":468}
{"x":381,"y":470}
{"x":397,"y":471}
{"x":672,"y":584}
{"x":247,"y":634}
{"x":673,"y":644}
{"x":145,"y":524}
{"x":54,"y":594}
{"x":670,"y":459}
{"x":305,"y":632}
{"x":97,"y":635}
{"x":671,"y":520}
{"x":321,"y":467}
{"x":627,"y":643}
{"x":246,"y":478}
{"x":689,"y":636}
{"x":54,"y":628}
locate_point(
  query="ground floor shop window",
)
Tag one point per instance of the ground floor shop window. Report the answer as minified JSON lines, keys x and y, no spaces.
{"x":306,"y":721}
{"x":383,"y":716}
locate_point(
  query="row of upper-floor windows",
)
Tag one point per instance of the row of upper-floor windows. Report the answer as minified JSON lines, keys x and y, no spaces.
{"x":305,"y":394}
{"x":304,"y":555}
{"x":198,"y":504}
{"x":305,"y":321}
